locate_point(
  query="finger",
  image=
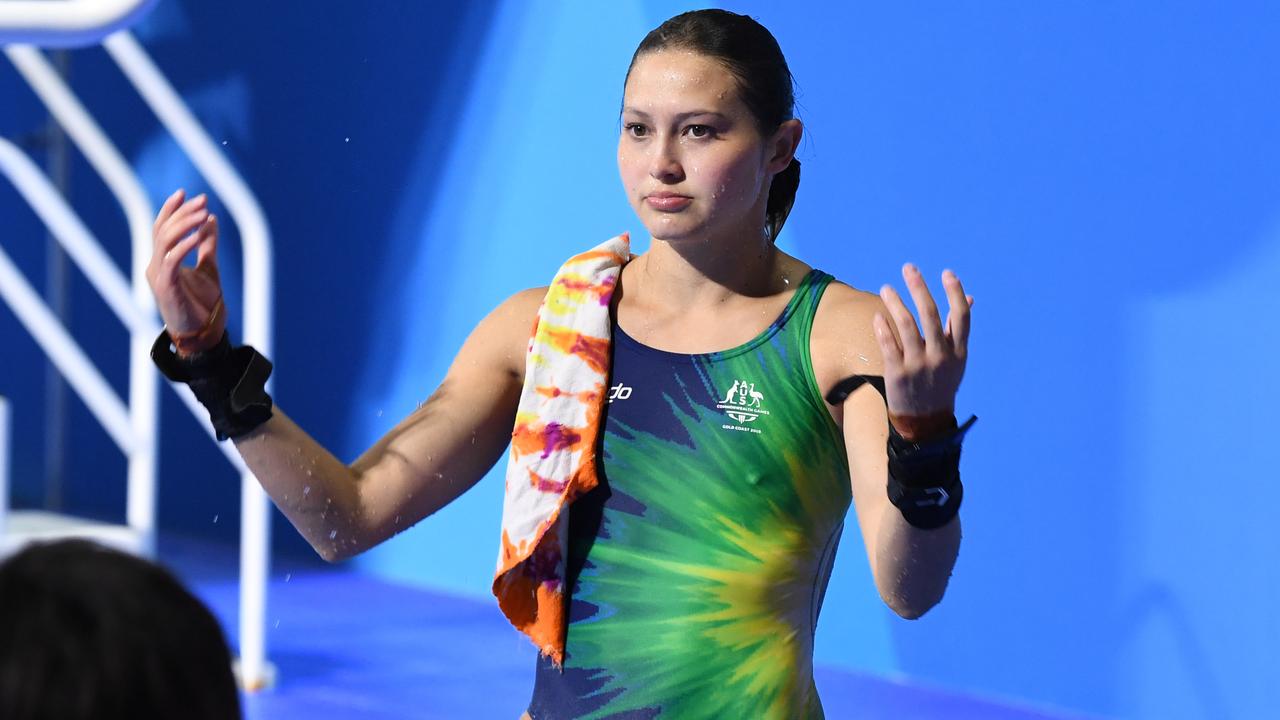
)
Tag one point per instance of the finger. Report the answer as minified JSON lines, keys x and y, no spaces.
{"x":185,"y":220}
{"x":930,"y":320}
{"x":908,"y":334}
{"x":958,"y":317}
{"x":172,"y":262}
{"x":208,"y":254}
{"x":183,"y":205}
{"x":889,"y":348}
{"x":179,"y":228}
{"x":170,"y":204}
{"x":196,"y":205}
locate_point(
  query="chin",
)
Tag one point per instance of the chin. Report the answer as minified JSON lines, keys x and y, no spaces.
{"x":672,"y":228}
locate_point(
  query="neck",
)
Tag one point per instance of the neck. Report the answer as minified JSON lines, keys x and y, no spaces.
{"x":705,"y":273}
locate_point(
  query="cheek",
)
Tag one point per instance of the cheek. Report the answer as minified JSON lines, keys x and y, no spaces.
{"x":627,"y":169}
{"x":732,"y":181}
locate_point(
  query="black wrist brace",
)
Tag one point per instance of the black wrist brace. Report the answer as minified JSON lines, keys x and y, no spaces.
{"x":229,"y":382}
{"x":924,"y":477}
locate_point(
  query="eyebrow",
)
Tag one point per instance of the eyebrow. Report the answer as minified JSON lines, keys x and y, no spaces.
{"x":679,"y":116}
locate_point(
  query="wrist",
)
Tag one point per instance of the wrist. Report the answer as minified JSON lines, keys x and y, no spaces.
{"x":922,"y":428}
{"x":924,"y":477}
{"x":198,"y":365}
{"x":229,"y":382}
{"x":189,"y":351}
{"x":202,"y":340}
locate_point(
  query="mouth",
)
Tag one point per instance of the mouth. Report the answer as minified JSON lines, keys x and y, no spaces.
{"x":668,"y":202}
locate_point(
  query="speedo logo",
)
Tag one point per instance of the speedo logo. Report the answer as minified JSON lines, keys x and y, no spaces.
{"x":619,"y":392}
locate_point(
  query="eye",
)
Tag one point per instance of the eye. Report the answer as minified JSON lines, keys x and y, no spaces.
{"x":635,"y":129}
{"x":700,"y":131}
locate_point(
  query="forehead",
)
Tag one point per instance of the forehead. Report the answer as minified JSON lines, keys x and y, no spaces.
{"x":672,"y":80}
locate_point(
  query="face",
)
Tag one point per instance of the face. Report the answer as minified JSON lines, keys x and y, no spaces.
{"x":693,"y":162}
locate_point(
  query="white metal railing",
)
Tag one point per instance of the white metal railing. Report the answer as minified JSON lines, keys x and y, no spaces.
{"x":84,"y":25}
{"x":44,"y":326}
{"x":88,"y":254}
{"x":68,"y":23}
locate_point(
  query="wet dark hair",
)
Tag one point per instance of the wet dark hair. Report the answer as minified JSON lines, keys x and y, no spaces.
{"x":751,"y":54}
{"x":87,"y":632}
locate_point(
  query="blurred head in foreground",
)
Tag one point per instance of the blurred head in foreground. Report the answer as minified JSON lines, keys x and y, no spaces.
{"x":90,"y":632}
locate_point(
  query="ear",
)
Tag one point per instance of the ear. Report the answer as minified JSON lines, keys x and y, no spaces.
{"x":782,"y":145}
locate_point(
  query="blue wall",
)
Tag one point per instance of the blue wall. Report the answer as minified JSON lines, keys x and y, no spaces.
{"x":1105,"y":179}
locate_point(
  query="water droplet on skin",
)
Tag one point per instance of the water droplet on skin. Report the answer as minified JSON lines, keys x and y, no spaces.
{"x":308,"y":473}
{"x":333,"y":534}
{"x":215,"y":518}
{"x":306,"y":490}
{"x":397,"y":520}
{"x":786,"y":281}
{"x":864,"y":358}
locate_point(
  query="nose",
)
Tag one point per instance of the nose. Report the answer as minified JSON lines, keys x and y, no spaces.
{"x":665,"y":165}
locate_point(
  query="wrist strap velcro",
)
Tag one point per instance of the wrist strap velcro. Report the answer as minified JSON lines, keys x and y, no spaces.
{"x":924,"y":477}
{"x":229,"y":381}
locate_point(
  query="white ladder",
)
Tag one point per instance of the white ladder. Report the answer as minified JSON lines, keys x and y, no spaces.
{"x":24,"y":25}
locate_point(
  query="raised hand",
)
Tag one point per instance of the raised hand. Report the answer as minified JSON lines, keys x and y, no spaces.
{"x":189,"y":298}
{"x":923,"y":365}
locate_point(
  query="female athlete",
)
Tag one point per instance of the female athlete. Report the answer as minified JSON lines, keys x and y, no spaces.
{"x":751,"y":400}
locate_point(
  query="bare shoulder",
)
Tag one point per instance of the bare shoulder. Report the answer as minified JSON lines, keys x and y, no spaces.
{"x":519,"y":313}
{"x":504,"y":332}
{"x":525,"y":303}
{"x":841,"y":301}
{"x":843,"y":341}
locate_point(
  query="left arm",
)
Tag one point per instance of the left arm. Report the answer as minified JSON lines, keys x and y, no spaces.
{"x":922,"y":367}
{"x":910,"y":566}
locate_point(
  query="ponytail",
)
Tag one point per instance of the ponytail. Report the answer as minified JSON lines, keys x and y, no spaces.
{"x":782,"y":195}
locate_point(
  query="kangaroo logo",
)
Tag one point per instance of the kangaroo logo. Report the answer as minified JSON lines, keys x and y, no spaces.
{"x":732,"y":392}
{"x":743,"y":403}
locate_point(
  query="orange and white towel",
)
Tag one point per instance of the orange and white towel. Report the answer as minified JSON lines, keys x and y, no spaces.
{"x":554,"y":442}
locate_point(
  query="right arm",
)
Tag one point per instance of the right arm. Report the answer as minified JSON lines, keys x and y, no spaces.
{"x":430,"y":458}
{"x":426,"y":461}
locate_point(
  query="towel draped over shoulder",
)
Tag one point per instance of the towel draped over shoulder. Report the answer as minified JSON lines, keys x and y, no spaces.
{"x":554,"y":442}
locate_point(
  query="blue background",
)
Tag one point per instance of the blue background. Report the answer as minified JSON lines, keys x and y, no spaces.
{"x":1104,"y":177}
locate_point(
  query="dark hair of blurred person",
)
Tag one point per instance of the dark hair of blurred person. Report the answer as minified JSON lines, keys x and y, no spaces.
{"x":90,"y":632}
